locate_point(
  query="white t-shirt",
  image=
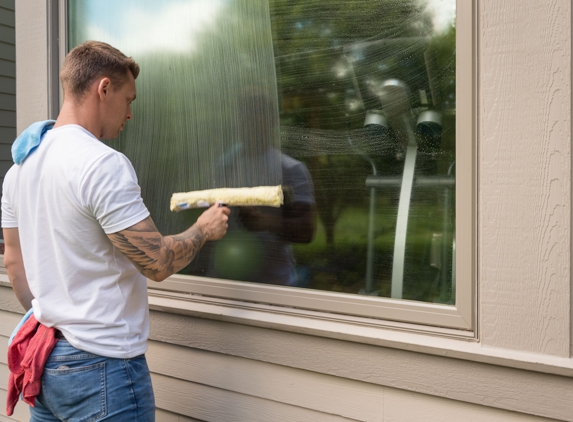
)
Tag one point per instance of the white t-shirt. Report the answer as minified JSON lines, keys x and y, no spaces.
{"x":64,"y":199}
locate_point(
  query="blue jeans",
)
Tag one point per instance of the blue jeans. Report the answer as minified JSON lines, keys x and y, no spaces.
{"x":78,"y":386}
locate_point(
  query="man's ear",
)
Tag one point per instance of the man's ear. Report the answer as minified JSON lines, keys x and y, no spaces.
{"x":103,"y":87}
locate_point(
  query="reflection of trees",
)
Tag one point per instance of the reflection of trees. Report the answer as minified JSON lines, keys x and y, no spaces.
{"x":322,"y":88}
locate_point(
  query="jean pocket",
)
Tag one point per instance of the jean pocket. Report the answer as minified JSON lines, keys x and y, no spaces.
{"x":76,"y":394}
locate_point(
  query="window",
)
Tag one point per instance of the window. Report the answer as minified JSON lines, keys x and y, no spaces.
{"x":355,"y":107}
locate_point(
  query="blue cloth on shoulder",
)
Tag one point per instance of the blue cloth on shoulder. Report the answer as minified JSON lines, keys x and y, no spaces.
{"x":22,"y":321}
{"x":29,"y":140}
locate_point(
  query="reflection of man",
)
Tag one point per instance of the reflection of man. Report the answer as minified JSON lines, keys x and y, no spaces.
{"x":80,"y":244}
{"x":275,"y":229}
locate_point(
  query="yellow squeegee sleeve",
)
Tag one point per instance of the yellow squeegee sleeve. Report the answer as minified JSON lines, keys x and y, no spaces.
{"x":270,"y":196}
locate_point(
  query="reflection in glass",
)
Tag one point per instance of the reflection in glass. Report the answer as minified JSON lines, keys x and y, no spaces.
{"x":352,"y":109}
{"x":257,"y":247}
{"x":368,"y":103}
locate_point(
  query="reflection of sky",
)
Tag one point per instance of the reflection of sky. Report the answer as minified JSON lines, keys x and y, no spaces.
{"x":168,"y":25}
{"x":174,"y":25}
{"x":443,"y":12}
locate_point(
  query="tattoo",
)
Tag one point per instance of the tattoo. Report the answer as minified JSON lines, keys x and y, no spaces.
{"x":156,"y":256}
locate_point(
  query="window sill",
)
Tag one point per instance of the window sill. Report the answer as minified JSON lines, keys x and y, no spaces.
{"x":449,"y":343}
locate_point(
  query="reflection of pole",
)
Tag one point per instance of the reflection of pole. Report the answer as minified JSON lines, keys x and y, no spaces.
{"x":370,"y":251}
{"x":402,"y":218}
{"x":377,"y":120}
{"x":447,"y":240}
{"x":402,"y":222}
{"x":444,"y":270}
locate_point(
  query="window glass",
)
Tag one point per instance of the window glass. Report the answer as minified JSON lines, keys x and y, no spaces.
{"x":349,"y":105}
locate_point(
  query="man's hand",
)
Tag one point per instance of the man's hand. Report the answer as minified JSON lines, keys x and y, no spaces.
{"x":157,"y":256}
{"x":213,"y":222}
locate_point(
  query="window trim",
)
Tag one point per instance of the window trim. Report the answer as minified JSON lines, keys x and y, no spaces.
{"x":62,"y":47}
{"x":421,"y":316}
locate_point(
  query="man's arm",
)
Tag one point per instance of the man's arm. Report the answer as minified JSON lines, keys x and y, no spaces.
{"x":15,"y":267}
{"x":157,"y":256}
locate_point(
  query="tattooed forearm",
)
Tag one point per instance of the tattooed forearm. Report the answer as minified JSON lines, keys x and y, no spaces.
{"x":156,"y":256}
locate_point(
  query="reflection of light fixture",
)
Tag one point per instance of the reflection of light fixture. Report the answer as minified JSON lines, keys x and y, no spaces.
{"x":429,"y":127}
{"x":376,"y":122}
{"x":395,"y":97}
{"x":429,"y":123}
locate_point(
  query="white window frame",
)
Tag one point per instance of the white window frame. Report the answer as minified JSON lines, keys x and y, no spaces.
{"x":459,"y":320}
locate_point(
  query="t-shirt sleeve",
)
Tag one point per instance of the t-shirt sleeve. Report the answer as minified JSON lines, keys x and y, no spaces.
{"x":9,"y":220}
{"x":110,"y":191}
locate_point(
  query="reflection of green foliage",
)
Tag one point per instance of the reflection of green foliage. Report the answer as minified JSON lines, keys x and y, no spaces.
{"x":316,"y":25}
{"x":310,"y":40}
{"x":313,"y":44}
{"x":443,"y":49}
{"x":343,"y":267}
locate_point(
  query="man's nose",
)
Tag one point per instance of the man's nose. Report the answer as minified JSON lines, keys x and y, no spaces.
{"x":129,"y":115}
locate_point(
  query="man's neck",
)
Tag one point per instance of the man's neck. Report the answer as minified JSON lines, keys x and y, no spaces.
{"x":79,"y":114}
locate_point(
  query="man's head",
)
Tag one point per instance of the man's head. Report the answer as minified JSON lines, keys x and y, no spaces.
{"x":99,"y":87}
{"x":92,"y":60}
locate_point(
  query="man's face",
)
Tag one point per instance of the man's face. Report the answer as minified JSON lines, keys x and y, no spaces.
{"x":118,"y":108}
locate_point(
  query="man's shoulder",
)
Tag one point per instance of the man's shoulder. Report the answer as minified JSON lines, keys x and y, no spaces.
{"x":73,"y":133}
{"x":80,"y":144}
{"x":293,"y":165}
{"x":10,"y":174}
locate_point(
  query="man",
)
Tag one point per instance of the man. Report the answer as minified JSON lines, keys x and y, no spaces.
{"x":79,"y":244}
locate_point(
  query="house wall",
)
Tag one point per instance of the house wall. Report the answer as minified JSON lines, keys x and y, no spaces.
{"x":524,"y":165}
{"x":7,"y":84}
{"x":212,"y":364}
{"x":217,"y":371}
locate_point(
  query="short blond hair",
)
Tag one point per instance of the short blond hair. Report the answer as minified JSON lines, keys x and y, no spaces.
{"x":93,"y":59}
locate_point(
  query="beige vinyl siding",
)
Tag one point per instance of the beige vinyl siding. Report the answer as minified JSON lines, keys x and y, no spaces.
{"x":336,"y":378}
{"x":252,"y":386}
{"x":163,"y":416}
{"x":21,"y":413}
{"x":8,"y":321}
{"x":198,"y":380}
{"x":219,"y":387}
